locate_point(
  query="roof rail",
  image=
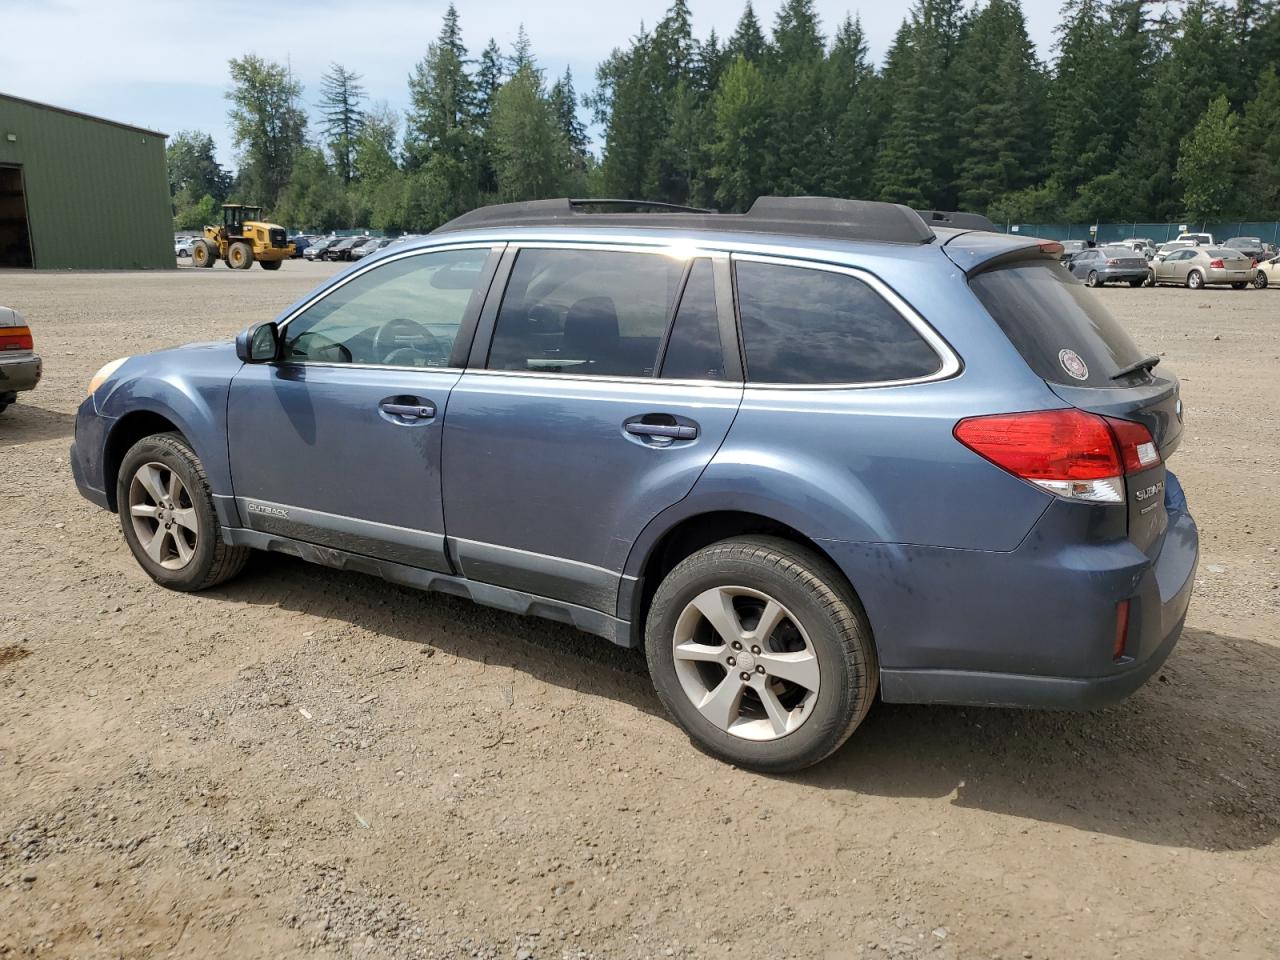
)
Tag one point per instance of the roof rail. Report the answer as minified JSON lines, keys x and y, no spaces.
{"x":958,"y":220}
{"x":823,"y":217}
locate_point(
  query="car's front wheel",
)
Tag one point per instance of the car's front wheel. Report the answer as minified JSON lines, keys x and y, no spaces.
{"x":167,"y":515}
{"x":761,"y":652}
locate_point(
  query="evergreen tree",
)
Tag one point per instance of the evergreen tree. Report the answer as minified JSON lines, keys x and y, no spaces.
{"x":708,"y":66}
{"x":194,"y":171}
{"x":268,"y":126}
{"x":853,"y":114}
{"x":796,"y":34}
{"x":999,"y":108}
{"x":314,"y":198}
{"x":490,"y":75}
{"x":564,"y":105}
{"x":521,"y":53}
{"x":1210,"y":154}
{"x":748,"y":39}
{"x":374,"y":151}
{"x":1260,"y":145}
{"x":531,"y":155}
{"x":341,"y":115}
{"x":625,"y":105}
{"x":739,"y":148}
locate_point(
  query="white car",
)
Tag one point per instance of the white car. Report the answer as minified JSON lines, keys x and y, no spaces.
{"x":1268,"y":273}
{"x":182,"y":246}
{"x":1199,"y":239}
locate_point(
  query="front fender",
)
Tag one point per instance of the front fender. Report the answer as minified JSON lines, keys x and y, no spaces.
{"x":188,"y":387}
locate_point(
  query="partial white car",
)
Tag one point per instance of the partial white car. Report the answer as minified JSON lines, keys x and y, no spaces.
{"x":1268,"y":274}
{"x":182,"y":246}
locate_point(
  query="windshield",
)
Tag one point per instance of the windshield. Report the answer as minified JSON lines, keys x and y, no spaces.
{"x":1061,"y":328}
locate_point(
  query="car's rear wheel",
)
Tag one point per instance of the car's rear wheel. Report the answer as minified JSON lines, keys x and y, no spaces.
{"x":1260,"y":281}
{"x":1138,"y":282}
{"x":1092,"y":279}
{"x":1239,"y":286}
{"x":1195,"y":280}
{"x":760,"y":651}
{"x":167,"y":515}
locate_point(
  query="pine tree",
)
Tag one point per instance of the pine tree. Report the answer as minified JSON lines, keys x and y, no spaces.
{"x":564,"y":105}
{"x":738,"y":148}
{"x":748,"y":39}
{"x":531,"y":155}
{"x":853,"y":113}
{"x":1260,"y":144}
{"x":796,"y":34}
{"x":341,"y":115}
{"x":1000,"y":129}
{"x":1210,"y":155}
{"x":626,"y":106}
{"x":490,"y":75}
{"x":521,"y":53}
{"x":708,"y":66}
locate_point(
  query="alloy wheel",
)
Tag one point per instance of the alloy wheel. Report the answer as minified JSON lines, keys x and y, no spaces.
{"x":746,"y":663}
{"x":163,"y":515}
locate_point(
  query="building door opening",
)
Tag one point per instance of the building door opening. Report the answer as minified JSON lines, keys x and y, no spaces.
{"x":15,"y":235}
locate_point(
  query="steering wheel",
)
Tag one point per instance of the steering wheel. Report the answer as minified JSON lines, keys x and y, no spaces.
{"x":401,"y":335}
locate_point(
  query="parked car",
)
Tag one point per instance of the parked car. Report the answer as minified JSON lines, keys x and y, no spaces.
{"x":315,"y":251}
{"x":1268,"y":273}
{"x":341,"y":248}
{"x":182,"y":246}
{"x":1141,"y":245}
{"x":300,"y":243}
{"x":20,"y":368}
{"x":1198,"y":267}
{"x":373,"y":245}
{"x":1172,"y":246}
{"x":1110,"y":264}
{"x":1197,"y":239}
{"x":1072,"y":247}
{"x":1251,"y":247}
{"x":552,"y":415}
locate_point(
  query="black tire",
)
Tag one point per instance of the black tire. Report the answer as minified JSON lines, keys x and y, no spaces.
{"x":240,"y":255}
{"x":203,"y":254}
{"x":1195,"y":280}
{"x":1092,"y":280}
{"x":1238,"y":286}
{"x":270,"y":264}
{"x":4,"y":405}
{"x":1260,"y":281}
{"x":212,"y":561}
{"x":1138,"y":283}
{"x":820,"y":600}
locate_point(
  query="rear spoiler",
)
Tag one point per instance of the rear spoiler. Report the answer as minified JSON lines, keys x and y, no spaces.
{"x":977,"y":251}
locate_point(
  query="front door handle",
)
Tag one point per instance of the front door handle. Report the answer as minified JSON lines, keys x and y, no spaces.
{"x":409,"y":411}
{"x":671,"y":431}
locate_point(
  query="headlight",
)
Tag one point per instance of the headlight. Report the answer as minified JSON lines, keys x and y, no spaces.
{"x":106,"y":371}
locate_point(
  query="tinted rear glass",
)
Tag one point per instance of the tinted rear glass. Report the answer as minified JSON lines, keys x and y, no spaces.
{"x":1122,"y":253}
{"x":801,"y":325}
{"x":1050,"y":316}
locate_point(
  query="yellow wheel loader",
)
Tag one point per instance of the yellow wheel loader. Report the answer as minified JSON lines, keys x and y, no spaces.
{"x":241,"y":240}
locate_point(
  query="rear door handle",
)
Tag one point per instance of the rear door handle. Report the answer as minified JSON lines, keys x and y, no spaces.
{"x":671,"y":431}
{"x":409,"y":411}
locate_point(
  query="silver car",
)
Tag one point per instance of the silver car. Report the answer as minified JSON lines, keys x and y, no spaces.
{"x":1197,"y":267}
{"x":20,"y":368}
{"x":1109,"y":264}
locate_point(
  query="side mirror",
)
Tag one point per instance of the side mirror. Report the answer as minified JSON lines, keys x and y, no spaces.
{"x":259,"y":344}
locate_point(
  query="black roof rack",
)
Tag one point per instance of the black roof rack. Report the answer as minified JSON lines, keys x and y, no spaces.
{"x":823,"y":217}
{"x":958,"y":220}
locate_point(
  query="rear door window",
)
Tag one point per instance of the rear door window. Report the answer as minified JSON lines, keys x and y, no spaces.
{"x":1061,"y":328}
{"x":585,"y":312}
{"x":802,"y":325}
{"x":693,"y":349}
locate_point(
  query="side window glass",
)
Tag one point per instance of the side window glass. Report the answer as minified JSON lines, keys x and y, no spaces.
{"x":693,"y":349}
{"x":589,"y":312}
{"x":404,"y":313}
{"x":807,"y":326}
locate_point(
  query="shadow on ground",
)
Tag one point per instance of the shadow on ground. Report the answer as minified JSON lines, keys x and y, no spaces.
{"x":1191,"y":760}
{"x":23,"y":423}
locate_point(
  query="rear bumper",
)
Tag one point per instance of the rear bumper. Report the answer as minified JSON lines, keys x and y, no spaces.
{"x":1115,"y":276}
{"x":1230,"y":276}
{"x":19,"y":374}
{"x":1033,"y":627}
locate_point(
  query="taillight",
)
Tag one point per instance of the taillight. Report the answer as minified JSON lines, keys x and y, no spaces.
{"x":1113,"y":263}
{"x":1216,"y":264}
{"x":16,"y":338}
{"x":1069,"y":453}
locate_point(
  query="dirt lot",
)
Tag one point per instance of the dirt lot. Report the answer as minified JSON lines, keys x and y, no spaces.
{"x":309,"y":762}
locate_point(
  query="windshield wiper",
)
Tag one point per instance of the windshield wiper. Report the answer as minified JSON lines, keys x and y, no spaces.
{"x":1145,"y":364}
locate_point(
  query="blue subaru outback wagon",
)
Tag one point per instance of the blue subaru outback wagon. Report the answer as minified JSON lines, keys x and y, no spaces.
{"x":803,"y":454}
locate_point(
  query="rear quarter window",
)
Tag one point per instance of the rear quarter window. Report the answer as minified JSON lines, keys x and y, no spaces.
{"x":803,"y":325}
{"x":1049,"y":316}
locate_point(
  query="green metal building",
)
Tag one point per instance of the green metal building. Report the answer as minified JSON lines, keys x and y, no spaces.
{"x":80,"y":192}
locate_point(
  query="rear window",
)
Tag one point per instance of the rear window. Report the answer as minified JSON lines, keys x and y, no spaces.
{"x":809,"y":326}
{"x":1061,"y":328}
{"x":1121,"y":252}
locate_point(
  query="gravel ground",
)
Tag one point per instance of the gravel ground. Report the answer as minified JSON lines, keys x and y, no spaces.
{"x":306,"y":762}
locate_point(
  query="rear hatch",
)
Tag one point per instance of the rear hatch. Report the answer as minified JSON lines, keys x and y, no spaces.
{"x":1234,"y":261}
{"x":1069,"y":338}
{"x":1125,"y":259}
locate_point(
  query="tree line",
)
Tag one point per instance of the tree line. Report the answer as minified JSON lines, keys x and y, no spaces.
{"x":1147,"y":111}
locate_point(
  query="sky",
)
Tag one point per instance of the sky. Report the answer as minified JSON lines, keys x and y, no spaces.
{"x":162,"y":64}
